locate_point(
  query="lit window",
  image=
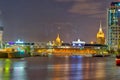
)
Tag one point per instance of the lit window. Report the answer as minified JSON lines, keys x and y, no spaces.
{"x":118,"y":9}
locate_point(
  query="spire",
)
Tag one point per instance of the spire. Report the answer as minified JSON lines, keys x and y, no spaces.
{"x":58,"y":36}
{"x":100,"y":36}
{"x":100,"y":29}
{"x":100,"y":32}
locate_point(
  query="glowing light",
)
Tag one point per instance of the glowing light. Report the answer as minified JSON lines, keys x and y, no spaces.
{"x":19,"y":41}
{"x":11,"y":43}
{"x":78,"y":41}
{"x":7,"y":65}
{"x":119,"y":3}
{"x":79,"y":45}
{"x":118,"y":9}
{"x":21,"y":50}
{"x":91,"y":42}
{"x":73,"y":44}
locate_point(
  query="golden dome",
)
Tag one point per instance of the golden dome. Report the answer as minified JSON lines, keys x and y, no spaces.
{"x":58,"y":39}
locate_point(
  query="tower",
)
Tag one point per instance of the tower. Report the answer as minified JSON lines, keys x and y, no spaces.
{"x":58,"y":41}
{"x":113,"y":27}
{"x":1,"y":34}
{"x":1,"y":30}
{"x":100,"y":36}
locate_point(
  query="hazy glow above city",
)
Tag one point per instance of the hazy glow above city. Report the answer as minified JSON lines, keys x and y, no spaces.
{"x":42,"y":20}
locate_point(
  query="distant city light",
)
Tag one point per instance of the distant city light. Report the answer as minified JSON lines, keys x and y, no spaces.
{"x":119,"y":3}
{"x":78,"y":43}
{"x":19,"y":41}
{"x":118,"y":9}
{"x":11,"y":43}
{"x":91,"y":42}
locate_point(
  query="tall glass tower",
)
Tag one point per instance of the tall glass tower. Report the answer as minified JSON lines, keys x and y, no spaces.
{"x":113,"y":30}
{"x":1,"y":26}
{"x":1,"y":30}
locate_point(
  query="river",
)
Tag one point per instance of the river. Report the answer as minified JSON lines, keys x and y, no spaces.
{"x":59,"y":68}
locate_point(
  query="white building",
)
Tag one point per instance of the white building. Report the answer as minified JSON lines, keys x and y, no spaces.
{"x":78,"y":43}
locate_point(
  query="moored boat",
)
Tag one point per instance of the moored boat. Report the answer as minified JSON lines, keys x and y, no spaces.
{"x":100,"y":55}
{"x":118,"y":60}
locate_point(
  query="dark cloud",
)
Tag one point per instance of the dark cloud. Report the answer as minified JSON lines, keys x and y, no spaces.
{"x":86,"y":8}
{"x":70,"y":0}
{"x":92,"y":8}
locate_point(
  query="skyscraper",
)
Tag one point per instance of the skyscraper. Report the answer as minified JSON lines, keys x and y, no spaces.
{"x":1,"y":30}
{"x":1,"y":27}
{"x":1,"y":33}
{"x":113,"y":29}
{"x":100,"y":36}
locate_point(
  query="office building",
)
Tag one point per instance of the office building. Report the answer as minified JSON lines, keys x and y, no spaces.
{"x":113,"y":28}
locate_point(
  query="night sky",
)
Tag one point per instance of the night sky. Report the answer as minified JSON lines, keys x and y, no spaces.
{"x":42,"y":20}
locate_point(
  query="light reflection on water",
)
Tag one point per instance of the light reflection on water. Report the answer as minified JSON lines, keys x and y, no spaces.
{"x":10,"y":70}
{"x":19,"y":72}
{"x":59,"y":68}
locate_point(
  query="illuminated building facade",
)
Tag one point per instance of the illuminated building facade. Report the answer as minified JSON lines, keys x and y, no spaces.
{"x":100,"y":36}
{"x":1,"y":38}
{"x":1,"y":34}
{"x":113,"y":29}
{"x":1,"y":31}
{"x":58,"y":41}
{"x":78,"y":43}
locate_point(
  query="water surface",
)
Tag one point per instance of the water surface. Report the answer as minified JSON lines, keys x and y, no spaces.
{"x":59,"y":68}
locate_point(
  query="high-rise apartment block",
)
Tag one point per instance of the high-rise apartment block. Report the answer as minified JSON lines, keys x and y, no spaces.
{"x":1,"y":34}
{"x":113,"y":29}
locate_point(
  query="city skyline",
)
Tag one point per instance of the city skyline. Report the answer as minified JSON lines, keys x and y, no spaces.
{"x":42,"y":20}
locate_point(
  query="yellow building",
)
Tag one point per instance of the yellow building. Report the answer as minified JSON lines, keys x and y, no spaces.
{"x":100,"y":36}
{"x":58,"y":41}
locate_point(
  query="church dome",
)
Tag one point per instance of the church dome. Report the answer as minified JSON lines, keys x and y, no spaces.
{"x":58,"y":39}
